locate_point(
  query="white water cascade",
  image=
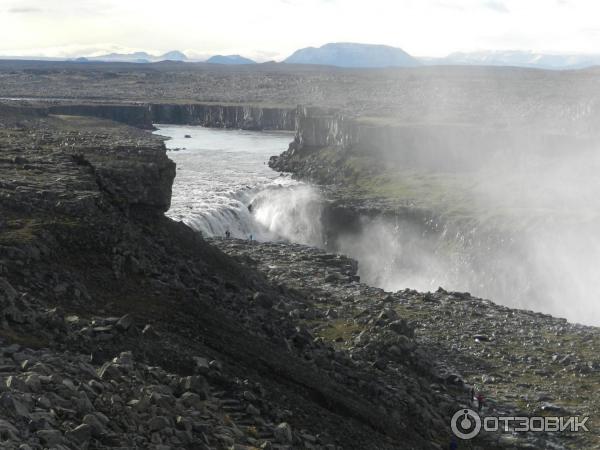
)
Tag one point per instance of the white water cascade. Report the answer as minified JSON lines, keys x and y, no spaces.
{"x":223,"y":184}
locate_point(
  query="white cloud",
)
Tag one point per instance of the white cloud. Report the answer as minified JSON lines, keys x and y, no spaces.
{"x":275,"y":28}
{"x":496,"y":6}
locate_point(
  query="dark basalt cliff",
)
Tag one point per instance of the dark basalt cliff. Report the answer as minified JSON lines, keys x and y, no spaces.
{"x":244,"y":117}
{"x":327,"y":138}
{"x":134,"y":115}
{"x":225,"y":116}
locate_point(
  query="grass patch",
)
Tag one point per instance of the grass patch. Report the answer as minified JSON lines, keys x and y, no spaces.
{"x":340,"y":328}
{"x":20,"y":231}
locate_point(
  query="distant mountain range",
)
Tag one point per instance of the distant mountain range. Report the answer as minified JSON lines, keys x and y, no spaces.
{"x":229,"y":59}
{"x":367,"y":55}
{"x":137,"y":57}
{"x":517,"y":58}
{"x":175,"y":55}
{"x":346,"y":54}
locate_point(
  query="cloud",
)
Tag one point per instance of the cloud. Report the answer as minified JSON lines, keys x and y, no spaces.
{"x":24,"y":10}
{"x":496,"y":5}
{"x":449,"y":5}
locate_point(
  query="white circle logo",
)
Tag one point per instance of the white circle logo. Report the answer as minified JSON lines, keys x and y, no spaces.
{"x":465,"y":424}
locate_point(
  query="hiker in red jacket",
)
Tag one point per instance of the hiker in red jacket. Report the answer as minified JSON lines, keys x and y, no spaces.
{"x":480,"y":401}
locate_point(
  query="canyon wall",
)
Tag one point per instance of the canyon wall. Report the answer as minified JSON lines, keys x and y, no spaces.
{"x":423,"y":145}
{"x":208,"y":115}
{"x":135,"y":115}
{"x":224,"y":116}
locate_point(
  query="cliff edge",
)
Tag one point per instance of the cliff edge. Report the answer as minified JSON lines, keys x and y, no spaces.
{"x":121,"y":328}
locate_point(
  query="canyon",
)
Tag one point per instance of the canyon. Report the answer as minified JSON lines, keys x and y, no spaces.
{"x":180,"y":341}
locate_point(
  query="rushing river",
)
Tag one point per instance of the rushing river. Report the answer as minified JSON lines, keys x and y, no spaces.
{"x":223,"y":183}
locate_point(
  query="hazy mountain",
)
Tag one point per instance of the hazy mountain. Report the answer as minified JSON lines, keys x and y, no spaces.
{"x":353,"y":55}
{"x":518,"y":58}
{"x":229,"y":59}
{"x":140,"y":57}
{"x":174,"y":55}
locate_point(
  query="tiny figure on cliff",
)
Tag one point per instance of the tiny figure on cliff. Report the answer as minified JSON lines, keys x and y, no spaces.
{"x":227,"y":234}
{"x":472,"y":396}
{"x":480,"y":401}
{"x":250,"y":238}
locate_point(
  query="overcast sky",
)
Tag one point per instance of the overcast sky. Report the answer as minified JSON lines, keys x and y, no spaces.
{"x":273,"y":29}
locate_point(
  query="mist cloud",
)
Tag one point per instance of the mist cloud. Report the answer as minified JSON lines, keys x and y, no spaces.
{"x":24,"y":10}
{"x":496,"y":5}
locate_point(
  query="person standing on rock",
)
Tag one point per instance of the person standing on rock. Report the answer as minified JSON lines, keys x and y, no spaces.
{"x":480,"y":401}
{"x":227,"y":234}
{"x":472,"y":396}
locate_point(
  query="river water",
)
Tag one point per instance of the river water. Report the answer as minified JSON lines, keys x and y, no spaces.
{"x":224,"y":183}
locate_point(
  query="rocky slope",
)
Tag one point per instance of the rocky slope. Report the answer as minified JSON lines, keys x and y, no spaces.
{"x":525,"y":363}
{"x":123,"y":329}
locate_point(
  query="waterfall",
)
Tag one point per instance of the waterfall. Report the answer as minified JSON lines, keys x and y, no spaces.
{"x":285,"y":210}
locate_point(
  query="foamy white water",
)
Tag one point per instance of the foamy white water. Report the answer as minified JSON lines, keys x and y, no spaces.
{"x":224,"y":183}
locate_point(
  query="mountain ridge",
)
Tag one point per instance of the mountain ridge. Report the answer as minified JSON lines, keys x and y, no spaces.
{"x":229,"y":59}
{"x":349,"y":54}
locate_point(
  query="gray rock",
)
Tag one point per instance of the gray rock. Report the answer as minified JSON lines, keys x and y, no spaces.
{"x":192,"y":400}
{"x":283,"y":433}
{"x":80,"y":434}
{"x":124,"y":323}
{"x":196,"y":384}
{"x":202,"y":365}
{"x":8,"y":430}
{"x":50,"y":437}
{"x":158,"y":423}
{"x":149,"y":332}
{"x":253,"y":410}
{"x":263,"y":300}
{"x":402,"y":327}
{"x":10,"y":405}
{"x":109,"y":370}
{"x":97,"y":425}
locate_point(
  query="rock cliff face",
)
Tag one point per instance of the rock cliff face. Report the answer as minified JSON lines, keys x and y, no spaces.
{"x":134,"y":115}
{"x":209,"y":115}
{"x":410,"y":145}
{"x":325,"y":138}
{"x":94,"y":167}
{"x":225,"y":116}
